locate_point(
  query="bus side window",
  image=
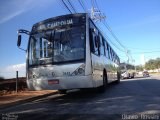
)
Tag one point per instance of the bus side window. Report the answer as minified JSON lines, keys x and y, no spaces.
{"x":110,"y":53}
{"x":91,"y":41}
{"x":113,"y":56}
{"x":104,"y":46}
{"x":101,"y":45}
{"x":107,"y":50}
{"x":94,"y":42}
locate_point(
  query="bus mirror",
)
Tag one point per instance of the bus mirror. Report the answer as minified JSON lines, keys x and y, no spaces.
{"x":19,"y":41}
{"x":93,"y":30}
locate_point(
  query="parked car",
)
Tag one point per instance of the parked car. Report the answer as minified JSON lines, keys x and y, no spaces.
{"x":145,"y":74}
{"x":127,"y":75}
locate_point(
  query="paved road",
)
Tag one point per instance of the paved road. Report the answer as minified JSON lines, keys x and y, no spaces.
{"x":133,"y":96}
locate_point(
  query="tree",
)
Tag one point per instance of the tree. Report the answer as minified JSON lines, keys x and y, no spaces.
{"x":153,"y":64}
{"x":139,"y":68}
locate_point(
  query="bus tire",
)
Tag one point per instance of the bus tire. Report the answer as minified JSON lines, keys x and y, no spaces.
{"x":118,"y":78}
{"x":62,"y":91}
{"x":102,"y":88}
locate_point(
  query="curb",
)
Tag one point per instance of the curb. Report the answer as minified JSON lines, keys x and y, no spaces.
{"x":26,"y":100}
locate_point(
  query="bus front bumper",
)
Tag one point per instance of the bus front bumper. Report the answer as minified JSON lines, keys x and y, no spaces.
{"x":59,"y":83}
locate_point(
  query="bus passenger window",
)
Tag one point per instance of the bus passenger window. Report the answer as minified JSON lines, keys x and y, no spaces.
{"x":94,"y":44}
{"x":101,"y":45}
{"x":91,"y":41}
{"x":104,"y":46}
{"x":107,"y":51}
{"x":98,"y":45}
{"x":111,"y":57}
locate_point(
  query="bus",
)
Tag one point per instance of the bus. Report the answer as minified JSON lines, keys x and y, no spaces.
{"x":69,"y":52}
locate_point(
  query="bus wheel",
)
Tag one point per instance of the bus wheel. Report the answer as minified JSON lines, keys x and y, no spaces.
{"x":102,"y":88}
{"x":118,"y":78}
{"x":62,"y":91}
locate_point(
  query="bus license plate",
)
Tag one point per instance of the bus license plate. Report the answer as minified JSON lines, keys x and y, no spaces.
{"x":56,"y":81}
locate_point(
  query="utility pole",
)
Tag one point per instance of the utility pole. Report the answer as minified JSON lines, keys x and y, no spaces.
{"x":96,"y":14}
{"x":16,"y":81}
{"x":127,"y":54}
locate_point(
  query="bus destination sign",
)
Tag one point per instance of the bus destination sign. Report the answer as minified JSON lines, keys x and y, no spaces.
{"x":54,"y":24}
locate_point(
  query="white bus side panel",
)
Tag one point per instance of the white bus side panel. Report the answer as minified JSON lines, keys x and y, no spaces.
{"x":97,"y":68}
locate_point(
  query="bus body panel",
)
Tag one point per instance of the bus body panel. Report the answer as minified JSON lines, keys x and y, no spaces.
{"x":70,"y":82}
{"x":97,"y":67}
{"x":88,"y":68}
{"x":40,"y":76}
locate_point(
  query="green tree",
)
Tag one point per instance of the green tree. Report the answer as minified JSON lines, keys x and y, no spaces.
{"x":139,"y":68}
{"x":153,"y":64}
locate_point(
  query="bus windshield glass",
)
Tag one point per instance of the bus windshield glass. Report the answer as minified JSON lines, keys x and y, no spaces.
{"x":59,"y":45}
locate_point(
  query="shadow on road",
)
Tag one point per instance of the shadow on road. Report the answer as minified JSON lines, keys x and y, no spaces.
{"x":133,"y":96}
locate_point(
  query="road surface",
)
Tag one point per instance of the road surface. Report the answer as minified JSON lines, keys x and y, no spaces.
{"x":130,"y":98}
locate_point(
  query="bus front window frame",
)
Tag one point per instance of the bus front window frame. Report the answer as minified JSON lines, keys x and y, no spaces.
{"x":79,"y":34}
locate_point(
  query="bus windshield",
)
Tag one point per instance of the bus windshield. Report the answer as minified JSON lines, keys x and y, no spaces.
{"x":57,"y":46}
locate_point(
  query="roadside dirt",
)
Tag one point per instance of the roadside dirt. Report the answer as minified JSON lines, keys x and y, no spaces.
{"x":9,"y":98}
{"x":8,"y":86}
{"x":8,"y":92}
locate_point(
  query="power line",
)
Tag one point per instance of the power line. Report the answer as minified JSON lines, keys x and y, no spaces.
{"x":103,"y":32}
{"x":109,"y":40}
{"x":139,"y":49}
{"x":94,"y":2}
{"x":116,"y":38}
{"x":146,"y":52}
{"x":82,"y":5}
{"x":94,"y":17}
{"x":72,"y":6}
{"x":97,"y":5}
{"x":114,"y":44}
{"x":66,"y":6}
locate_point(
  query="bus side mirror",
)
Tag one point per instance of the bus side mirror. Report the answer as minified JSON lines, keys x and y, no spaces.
{"x":19,"y":40}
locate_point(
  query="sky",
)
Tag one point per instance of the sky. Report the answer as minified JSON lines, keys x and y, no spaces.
{"x":136,"y":24}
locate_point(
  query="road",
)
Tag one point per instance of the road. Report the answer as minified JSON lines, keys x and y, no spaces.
{"x":130,"y":97}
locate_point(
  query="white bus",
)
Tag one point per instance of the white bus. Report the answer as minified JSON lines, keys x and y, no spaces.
{"x":69,"y":52}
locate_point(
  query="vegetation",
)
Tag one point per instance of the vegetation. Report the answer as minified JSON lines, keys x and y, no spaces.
{"x":139,"y":68}
{"x":153,"y":64}
{"x":150,"y":65}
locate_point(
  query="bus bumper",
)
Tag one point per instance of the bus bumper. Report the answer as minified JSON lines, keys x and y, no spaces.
{"x":59,"y":83}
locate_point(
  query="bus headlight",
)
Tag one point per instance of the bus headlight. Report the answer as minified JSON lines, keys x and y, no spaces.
{"x":80,"y":70}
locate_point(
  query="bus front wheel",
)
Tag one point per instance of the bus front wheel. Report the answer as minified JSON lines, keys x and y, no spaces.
{"x":102,"y":88}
